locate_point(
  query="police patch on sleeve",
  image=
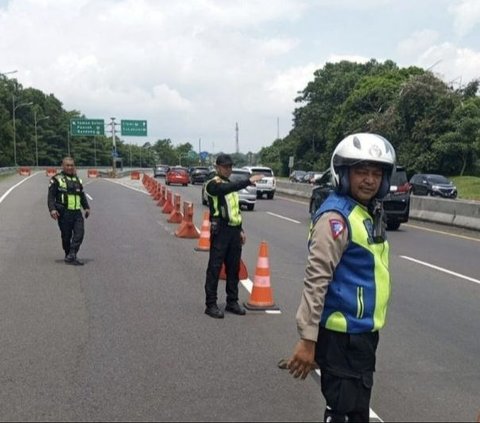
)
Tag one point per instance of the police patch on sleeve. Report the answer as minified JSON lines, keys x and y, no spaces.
{"x":337,"y":226}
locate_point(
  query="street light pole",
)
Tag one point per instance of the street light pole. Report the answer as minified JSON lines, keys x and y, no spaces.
{"x":36,"y":135}
{"x":15,"y":107}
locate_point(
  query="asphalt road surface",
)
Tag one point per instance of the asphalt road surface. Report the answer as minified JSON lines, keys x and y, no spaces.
{"x":125,"y":337}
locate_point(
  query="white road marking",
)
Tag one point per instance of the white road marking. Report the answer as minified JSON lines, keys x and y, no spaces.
{"x":15,"y":186}
{"x":409,"y":225}
{"x":292,"y":201}
{"x":89,"y":196}
{"x":373,"y":415}
{"x":127,"y":186}
{"x":441,"y":269}
{"x":283,"y":217}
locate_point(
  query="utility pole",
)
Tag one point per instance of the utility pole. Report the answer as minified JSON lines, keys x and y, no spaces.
{"x":237,"y":150}
{"x":95,"y":151}
{"x":114,"y":143}
{"x":278,"y":128}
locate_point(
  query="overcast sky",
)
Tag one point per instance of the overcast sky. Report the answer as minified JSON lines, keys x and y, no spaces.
{"x":192,"y":68}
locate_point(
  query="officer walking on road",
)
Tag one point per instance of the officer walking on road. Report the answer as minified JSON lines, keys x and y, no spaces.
{"x":226,"y":236}
{"x":347,"y":279}
{"x":65,"y":200}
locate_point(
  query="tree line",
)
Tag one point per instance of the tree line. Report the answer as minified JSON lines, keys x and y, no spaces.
{"x":433,"y":125}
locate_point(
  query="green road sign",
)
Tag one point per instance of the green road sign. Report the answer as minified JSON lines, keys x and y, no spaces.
{"x":87,"y":127}
{"x":192,"y":155}
{"x":134,"y":128}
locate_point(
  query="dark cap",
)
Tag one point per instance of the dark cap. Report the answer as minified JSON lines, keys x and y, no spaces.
{"x":224,"y":160}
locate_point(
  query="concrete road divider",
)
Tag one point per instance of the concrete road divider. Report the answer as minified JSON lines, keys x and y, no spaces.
{"x":462,"y":213}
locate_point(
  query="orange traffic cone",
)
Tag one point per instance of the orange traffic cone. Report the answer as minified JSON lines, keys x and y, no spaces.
{"x":261,"y":297}
{"x":204,"y":240}
{"x":242,"y":273}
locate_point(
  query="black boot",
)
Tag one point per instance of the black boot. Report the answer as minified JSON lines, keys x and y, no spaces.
{"x":214,"y":311}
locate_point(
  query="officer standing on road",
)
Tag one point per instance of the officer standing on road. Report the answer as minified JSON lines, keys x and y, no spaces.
{"x":226,"y":236}
{"x":65,"y":200}
{"x":347,"y":280}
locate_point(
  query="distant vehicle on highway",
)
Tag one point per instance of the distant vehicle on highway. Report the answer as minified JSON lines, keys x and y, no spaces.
{"x":247,"y":196}
{"x":160,"y":170}
{"x":434,"y":185}
{"x":268,"y":184}
{"x":199,"y":174}
{"x":396,"y":203}
{"x":297,"y":175}
{"x":177,"y":175}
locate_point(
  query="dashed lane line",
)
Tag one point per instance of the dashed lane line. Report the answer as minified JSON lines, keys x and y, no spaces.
{"x":283,"y":217}
{"x":441,"y":269}
{"x":409,"y":225}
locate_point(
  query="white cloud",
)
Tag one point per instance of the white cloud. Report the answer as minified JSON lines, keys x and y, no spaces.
{"x":417,"y":43}
{"x":452,"y":63}
{"x":466,"y":15}
{"x":193,"y":68}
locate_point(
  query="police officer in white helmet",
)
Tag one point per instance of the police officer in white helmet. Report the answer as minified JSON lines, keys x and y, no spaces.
{"x":347,"y":279}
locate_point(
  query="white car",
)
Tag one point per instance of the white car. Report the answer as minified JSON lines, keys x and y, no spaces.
{"x":268,"y":184}
{"x":247,"y":196}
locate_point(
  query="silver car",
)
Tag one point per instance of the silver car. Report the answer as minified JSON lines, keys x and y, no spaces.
{"x":247,"y":196}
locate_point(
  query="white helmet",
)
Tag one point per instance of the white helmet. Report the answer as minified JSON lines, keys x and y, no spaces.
{"x":357,"y":148}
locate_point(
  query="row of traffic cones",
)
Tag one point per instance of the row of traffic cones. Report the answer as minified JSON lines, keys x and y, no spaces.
{"x":261,"y":297}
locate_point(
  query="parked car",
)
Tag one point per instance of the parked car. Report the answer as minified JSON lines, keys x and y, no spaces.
{"x":396,"y":203}
{"x":177,"y":175}
{"x":297,"y":176}
{"x":198,"y":174}
{"x":434,"y":185}
{"x":247,"y":196}
{"x":268,"y":184}
{"x":160,"y":170}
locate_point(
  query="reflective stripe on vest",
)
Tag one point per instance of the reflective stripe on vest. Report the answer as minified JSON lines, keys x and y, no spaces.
{"x":358,"y":295}
{"x":232,"y":211}
{"x":70,"y":201}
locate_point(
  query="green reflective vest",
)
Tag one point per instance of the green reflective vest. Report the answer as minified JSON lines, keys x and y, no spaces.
{"x":228,"y":209}
{"x":69,"y":191}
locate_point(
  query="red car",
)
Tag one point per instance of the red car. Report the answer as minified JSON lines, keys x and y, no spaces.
{"x":177,"y":175}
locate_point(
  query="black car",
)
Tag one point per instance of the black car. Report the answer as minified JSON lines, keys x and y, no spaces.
{"x":199,"y":174}
{"x":396,"y":203}
{"x":160,"y":170}
{"x":434,"y":185}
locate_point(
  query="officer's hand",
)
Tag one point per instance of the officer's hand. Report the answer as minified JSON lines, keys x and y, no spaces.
{"x":302,"y":360}
{"x":54,"y":214}
{"x":87,"y":213}
{"x":255,"y":178}
{"x":243,"y":238}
